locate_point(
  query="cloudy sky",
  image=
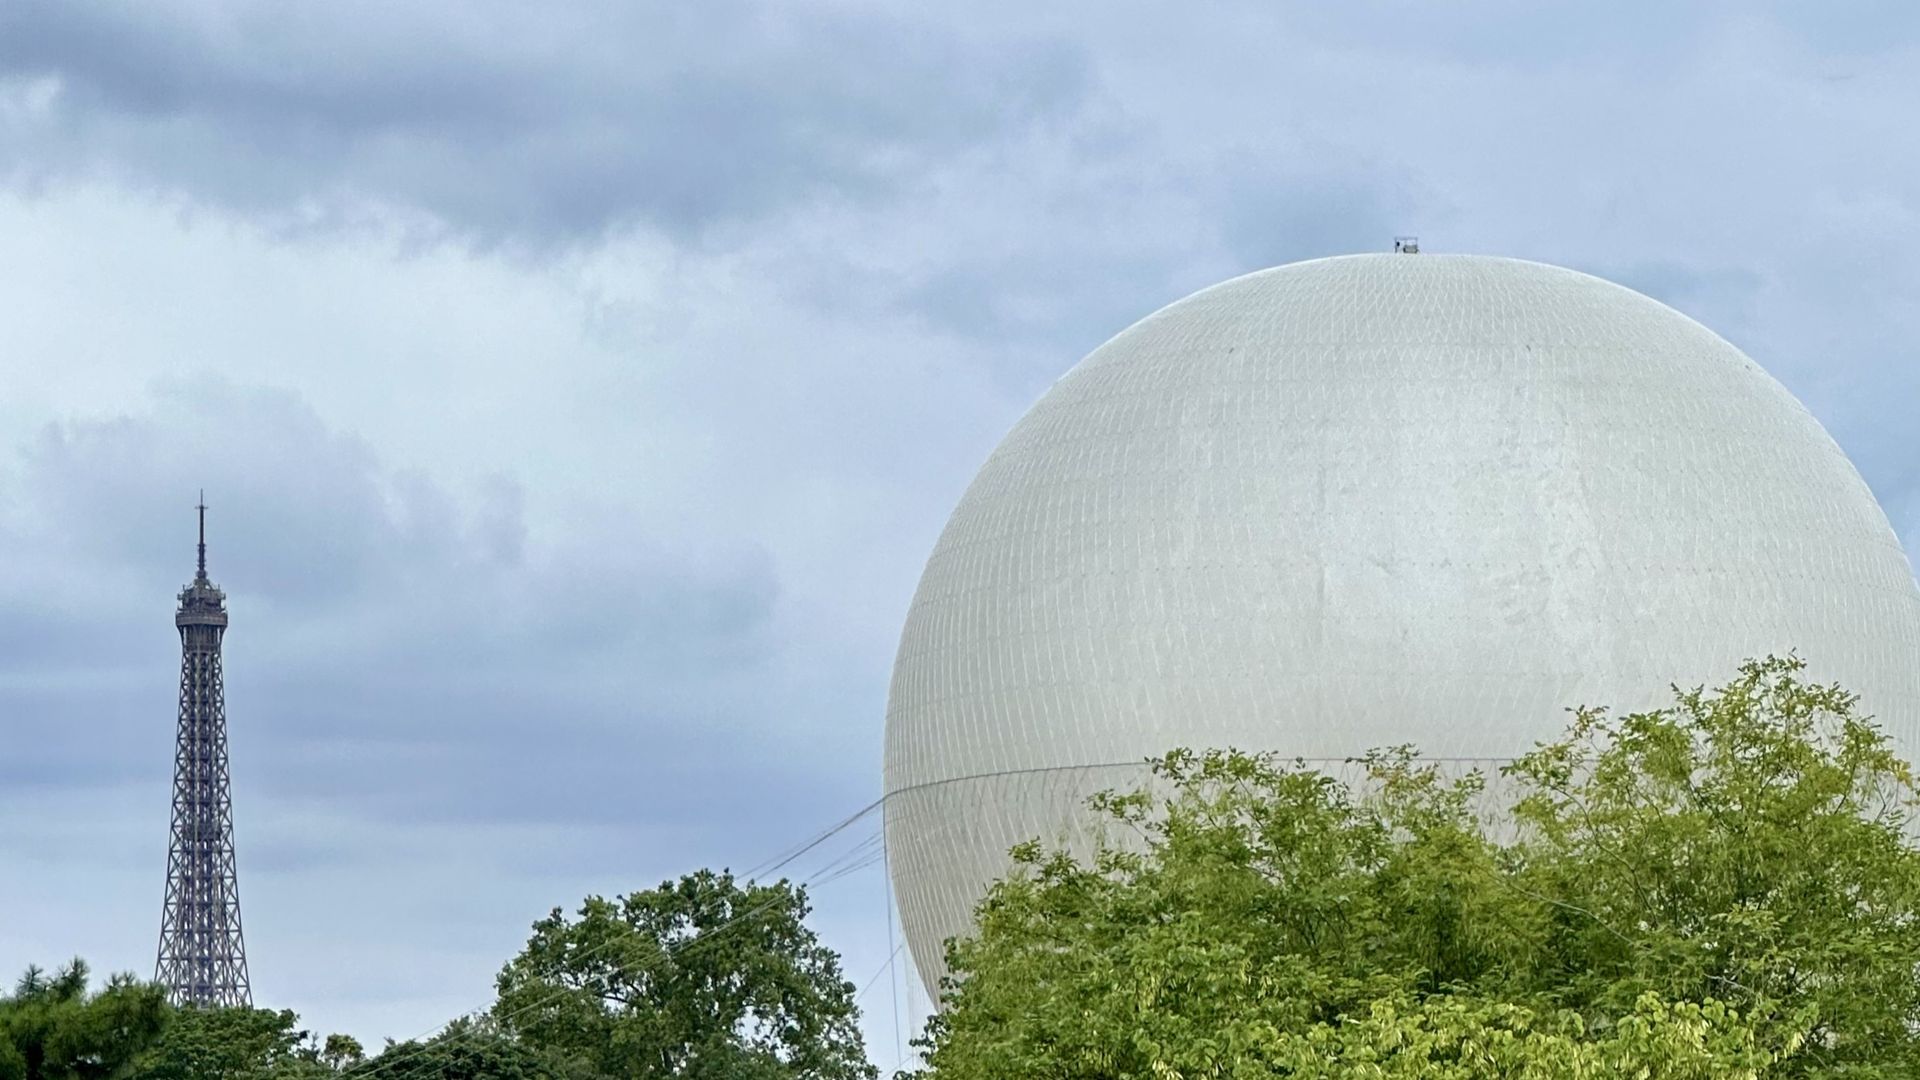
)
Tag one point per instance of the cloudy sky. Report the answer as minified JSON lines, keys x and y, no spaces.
{"x":578,"y":391}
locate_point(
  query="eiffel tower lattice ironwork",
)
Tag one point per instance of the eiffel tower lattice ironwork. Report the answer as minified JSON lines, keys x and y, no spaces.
{"x":203,"y":956}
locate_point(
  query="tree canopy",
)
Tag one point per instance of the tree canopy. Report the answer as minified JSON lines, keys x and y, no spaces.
{"x":233,"y":1044}
{"x":1723,"y":887}
{"x":466,"y":1050}
{"x":52,"y":1028}
{"x":700,"y":979}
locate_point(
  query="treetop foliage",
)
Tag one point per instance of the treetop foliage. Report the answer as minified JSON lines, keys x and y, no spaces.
{"x":51,"y":1028}
{"x":705,"y":978}
{"x":1722,"y":887}
{"x":701,"y":979}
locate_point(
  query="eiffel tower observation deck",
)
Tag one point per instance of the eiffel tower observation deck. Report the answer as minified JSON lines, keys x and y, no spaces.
{"x":203,"y":955}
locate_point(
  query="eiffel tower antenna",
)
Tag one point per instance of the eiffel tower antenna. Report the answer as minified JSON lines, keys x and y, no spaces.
{"x":203,"y":955}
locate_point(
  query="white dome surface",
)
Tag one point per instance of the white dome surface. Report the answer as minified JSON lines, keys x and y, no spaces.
{"x":1359,"y":502}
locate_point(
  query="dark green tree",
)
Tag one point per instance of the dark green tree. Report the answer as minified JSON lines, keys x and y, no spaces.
{"x":1724,"y":887}
{"x":468,"y":1050}
{"x":51,"y":1028}
{"x":232,"y":1044}
{"x":700,"y":979}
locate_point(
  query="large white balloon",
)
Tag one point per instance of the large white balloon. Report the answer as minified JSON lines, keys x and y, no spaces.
{"x":1360,"y":502}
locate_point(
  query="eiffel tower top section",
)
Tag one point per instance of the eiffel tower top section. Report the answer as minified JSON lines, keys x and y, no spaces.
{"x":201,"y":602}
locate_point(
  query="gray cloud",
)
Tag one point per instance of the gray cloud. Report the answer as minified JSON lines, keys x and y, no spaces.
{"x":505,"y":124}
{"x":393,"y":653}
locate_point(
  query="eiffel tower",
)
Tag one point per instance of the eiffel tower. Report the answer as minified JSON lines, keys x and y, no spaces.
{"x":203,"y":957}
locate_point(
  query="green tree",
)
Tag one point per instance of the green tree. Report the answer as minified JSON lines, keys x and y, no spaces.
{"x":341,"y":1052}
{"x":1458,"y":1037}
{"x":703,"y":979}
{"x":1723,"y":887}
{"x":51,"y":1028}
{"x":1752,"y":845}
{"x":232,"y":1044}
{"x":467,"y":1050}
